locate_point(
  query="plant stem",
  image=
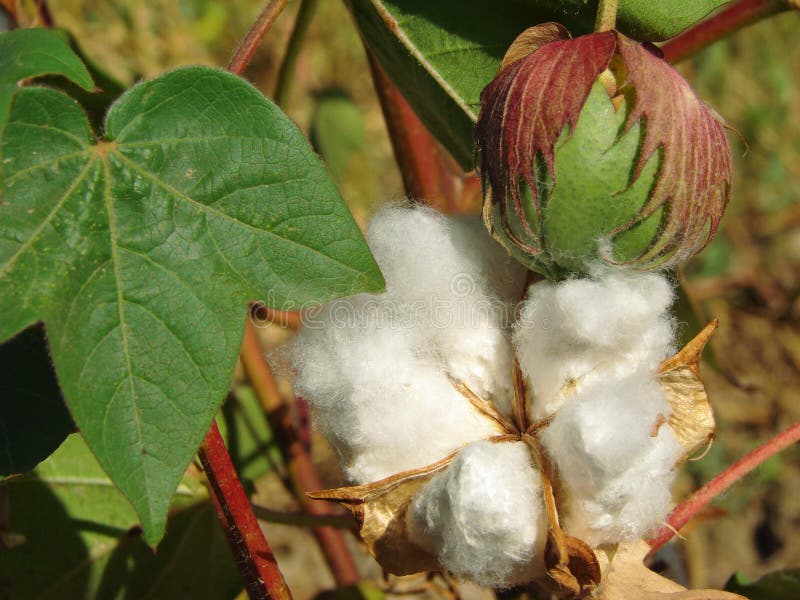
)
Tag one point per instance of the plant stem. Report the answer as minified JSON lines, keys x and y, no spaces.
{"x":286,"y":72}
{"x":302,"y":473}
{"x":253,"y":38}
{"x":606,"y":15}
{"x":730,"y":19}
{"x":429,"y":173}
{"x":262,"y":577}
{"x":702,"y":497}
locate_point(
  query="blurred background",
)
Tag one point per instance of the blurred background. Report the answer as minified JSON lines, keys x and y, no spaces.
{"x":748,"y":278}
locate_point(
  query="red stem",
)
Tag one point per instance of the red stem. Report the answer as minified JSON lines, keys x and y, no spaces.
{"x":730,"y":19}
{"x":702,"y":497}
{"x":257,"y":32}
{"x":262,"y":577}
{"x":429,"y":173}
{"x":302,"y":473}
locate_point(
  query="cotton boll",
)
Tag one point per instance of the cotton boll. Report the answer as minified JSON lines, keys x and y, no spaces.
{"x":483,"y":516}
{"x":454,"y":284}
{"x":604,"y":429}
{"x":585,"y":330}
{"x":616,"y":473}
{"x":382,"y":405}
{"x":633,"y":504}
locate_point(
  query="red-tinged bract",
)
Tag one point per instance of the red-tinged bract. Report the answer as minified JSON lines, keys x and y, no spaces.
{"x":532,"y":108}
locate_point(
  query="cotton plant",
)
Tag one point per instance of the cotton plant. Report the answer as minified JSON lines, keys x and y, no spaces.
{"x":508,"y":412}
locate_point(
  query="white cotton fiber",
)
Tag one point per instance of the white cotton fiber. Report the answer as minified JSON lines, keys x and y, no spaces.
{"x":585,"y":330}
{"x":375,"y":368}
{"x":457,"y":283}
{"x":615,"y":457}
{"x":483,"y":516}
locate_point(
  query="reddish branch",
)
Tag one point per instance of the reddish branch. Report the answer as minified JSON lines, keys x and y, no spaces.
{"x":262,"y":577}
{"x":302,"y":473}
{"x":429,"y":173}
{"x":702,"y":497}
{"x":730,"y":19}
{"x":257,"y":32}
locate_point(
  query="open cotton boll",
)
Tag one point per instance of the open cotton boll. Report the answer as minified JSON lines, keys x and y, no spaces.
{"x":585,"y":330}
{"x":633,"y":504}
{"x":604,"y":429}
{"x":483,"y":516}
{"x":456,"y":285}
{"x":375,"y":367}
{"x":616,"y":473}
{"x":382,"y":405}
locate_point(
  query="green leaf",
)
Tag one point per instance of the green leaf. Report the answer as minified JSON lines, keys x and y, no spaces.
{"x":26,"y":53}
{"x":778,"y":585}
{"x":33,"y":418}
{"x":141,"y":252}
{"x":442,"y":55}
{"x":74,"y":536}
{"x":644,"y":20}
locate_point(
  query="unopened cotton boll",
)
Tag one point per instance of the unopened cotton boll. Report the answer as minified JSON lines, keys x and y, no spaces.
{"x":581,"y":330}
{"x":615,"y":456}
{"x":483,"y":516}
{"x":376,"y":368}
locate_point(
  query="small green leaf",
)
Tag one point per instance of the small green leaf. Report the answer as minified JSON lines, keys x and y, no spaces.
{"x":26,"y":53}
{"x":75,"y":536}
{"x":141,"y":252}
{"x":33,"y":418}
{"x":778,"y":585}
{"x":441,"y":56}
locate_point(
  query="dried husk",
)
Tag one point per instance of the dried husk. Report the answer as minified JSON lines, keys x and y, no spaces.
{"x":380,"y":509}
{"x":625,"y":577}
{"x":692,"y":417}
